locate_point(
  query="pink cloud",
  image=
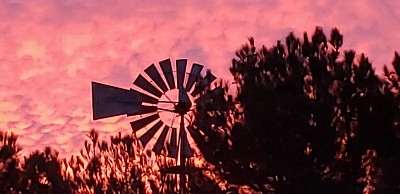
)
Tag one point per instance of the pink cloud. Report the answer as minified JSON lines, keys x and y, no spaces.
{"x":50,"y":51}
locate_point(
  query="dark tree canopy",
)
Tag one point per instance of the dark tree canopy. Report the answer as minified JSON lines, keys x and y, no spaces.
{"x":308,"y":118}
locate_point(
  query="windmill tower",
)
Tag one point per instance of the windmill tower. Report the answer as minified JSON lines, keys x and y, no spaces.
{"x":172,"y":94}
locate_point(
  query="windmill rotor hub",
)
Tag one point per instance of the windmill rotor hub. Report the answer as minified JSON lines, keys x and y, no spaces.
{"x":183,"y":107}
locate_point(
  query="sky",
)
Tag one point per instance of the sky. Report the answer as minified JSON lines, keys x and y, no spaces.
{"x":51,"y":50}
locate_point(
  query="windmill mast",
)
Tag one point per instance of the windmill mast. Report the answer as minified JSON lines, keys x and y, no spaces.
{"x":182,"y":156}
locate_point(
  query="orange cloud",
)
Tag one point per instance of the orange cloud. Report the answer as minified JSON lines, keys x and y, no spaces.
{"x":50,"y":51}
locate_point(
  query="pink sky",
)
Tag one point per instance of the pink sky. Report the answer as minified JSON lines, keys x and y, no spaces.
{"x":51,"y":50}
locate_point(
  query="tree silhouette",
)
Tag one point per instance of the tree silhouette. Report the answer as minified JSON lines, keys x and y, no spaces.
{"x":10,"y":173}
{"x":43,"y":174}
{"x":305,"y":120}
{"x":124,"y":167}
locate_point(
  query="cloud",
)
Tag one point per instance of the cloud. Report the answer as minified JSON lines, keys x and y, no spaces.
{"x":50,"y":51}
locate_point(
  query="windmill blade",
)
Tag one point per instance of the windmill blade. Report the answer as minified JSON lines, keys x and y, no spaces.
{"x":180,"y":72}
{"x":167,"y":71}
{"x":144,"y":110}
{"x":187,"y":151}
{"x":160,"y":141}
{"x":145,"y":138}
{"x":147,"y":86}
{"x":173,"y":144}
{"x":183,"y":96}
{"x":203,"y":83}
{"x":153,"y":73}
{"x":193,"y":76}
{"x":139,"y":124}
{"x":109,"y":101}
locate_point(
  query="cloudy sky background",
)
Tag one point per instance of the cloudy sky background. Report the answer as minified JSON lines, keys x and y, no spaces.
{"x":51,"y":50}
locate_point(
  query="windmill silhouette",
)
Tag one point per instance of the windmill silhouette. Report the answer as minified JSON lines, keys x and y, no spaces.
{"x":147,"y":105}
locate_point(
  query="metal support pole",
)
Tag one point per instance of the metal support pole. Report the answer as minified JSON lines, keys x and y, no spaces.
{"x":182,"y":156}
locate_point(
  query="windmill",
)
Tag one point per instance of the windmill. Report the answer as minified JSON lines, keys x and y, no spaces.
{"x":173,"y":92}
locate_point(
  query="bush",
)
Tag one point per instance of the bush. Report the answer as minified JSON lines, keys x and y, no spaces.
{"x":119,"y":167}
